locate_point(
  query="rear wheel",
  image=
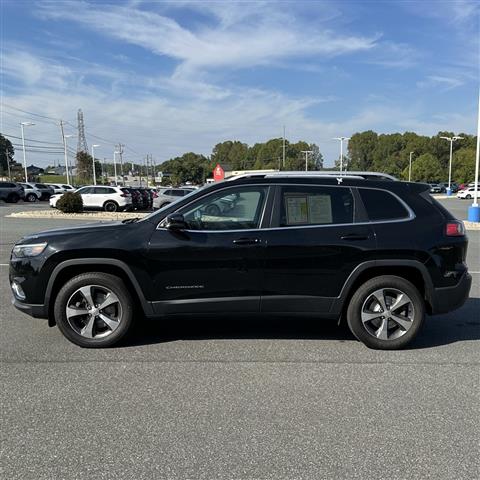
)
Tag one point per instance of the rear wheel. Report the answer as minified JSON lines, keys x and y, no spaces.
{"x":31,"y":197}
{"x":110,"y":206}
{"x":386,"y":312}
{"x":94,"y":310}
{"x":468,"y":196}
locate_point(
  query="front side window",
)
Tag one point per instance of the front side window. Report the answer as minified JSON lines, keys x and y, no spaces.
{"x":315,"y":205}
{"x":382,"y":205}
{"x":231,"y":209}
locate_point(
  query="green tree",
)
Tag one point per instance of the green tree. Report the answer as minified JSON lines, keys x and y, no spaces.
{"x":360,"y":150}
{"x":232,"y":153}
{"x":463,"y":165}
{"x":426,"y":168}
{"x":190,"y":167}
{"x":84,"y":168}
{"x":6,"y":153}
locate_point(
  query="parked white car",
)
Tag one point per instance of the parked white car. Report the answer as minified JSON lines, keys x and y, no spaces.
{"x":466,"y":193}
{"x":61,"y":188}
{"x":110,"y":199}
{"x":171,"y":195}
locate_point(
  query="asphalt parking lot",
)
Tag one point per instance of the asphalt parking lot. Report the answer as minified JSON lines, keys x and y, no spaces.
{"x":238,"y":398}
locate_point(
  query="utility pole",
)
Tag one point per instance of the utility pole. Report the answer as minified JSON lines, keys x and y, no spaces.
{"x":8,"y":165}
{"x":115,"y":165}
{"x":22,"y":125}
{"x":64,"y":139}
{"x":93,"y":164}
{"x":120,"y":152}
{"x":410,"y":168}
{"x":283,"y":147}
{"x":154,"y":174}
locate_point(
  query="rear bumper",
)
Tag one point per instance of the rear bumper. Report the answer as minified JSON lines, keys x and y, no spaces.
{"x":450,"y":298}
{"x":36,"y":311}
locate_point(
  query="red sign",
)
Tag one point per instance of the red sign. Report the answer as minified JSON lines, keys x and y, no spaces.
{"x":218,"y":173}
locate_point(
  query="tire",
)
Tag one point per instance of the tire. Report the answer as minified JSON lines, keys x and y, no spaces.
{"x":13,"y":198}
{"x":87,"y":330}
{"x":468,"y":197}
{"x":31,"y":197}
{"x":213,"y":210}
{"x":110,"y":206}
{"x":365,"y":319}
{"x":165,"y":204}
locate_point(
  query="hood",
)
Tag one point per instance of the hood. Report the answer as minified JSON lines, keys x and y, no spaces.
{"x":84,"y":228}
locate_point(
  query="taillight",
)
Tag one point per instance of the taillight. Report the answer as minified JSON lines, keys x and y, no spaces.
{"x":455,"y":229}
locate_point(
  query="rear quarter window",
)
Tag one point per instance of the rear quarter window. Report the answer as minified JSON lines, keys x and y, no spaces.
{"x":382,"y":205}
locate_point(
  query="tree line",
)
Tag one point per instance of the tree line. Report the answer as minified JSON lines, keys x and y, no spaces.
{"x":367,"y":151}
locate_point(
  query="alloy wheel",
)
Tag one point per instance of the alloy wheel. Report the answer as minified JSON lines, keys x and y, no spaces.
{"x":387,"y":314}
{"x":94,"y":311}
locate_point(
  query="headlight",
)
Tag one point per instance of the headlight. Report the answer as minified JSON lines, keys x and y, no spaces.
{"x":29,"y":250}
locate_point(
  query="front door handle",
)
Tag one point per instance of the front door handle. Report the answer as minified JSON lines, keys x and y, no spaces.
{"x":354,"y":236}
{"x":246,"y":241}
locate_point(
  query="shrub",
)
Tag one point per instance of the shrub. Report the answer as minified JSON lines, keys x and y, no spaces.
{"x":70,"y":202}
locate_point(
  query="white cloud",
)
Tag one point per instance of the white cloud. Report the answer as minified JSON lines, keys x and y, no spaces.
{"x":447,"y":83}
{"x":267,"y":37}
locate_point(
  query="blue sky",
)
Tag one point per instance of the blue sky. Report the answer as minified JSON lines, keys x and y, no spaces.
{"x":170,"y":77}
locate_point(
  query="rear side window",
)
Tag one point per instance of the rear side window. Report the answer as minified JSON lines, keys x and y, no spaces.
{"x":103,"y":190}
{"x":7,"y":185}
{"x":382,"y":205}
{"x":312,"y":205}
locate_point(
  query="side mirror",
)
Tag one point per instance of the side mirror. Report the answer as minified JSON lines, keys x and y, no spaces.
{"x":175,"y":221}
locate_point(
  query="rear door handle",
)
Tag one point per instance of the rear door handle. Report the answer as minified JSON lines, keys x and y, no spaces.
{"x":246,"y":241}
{"x":354,"y":236}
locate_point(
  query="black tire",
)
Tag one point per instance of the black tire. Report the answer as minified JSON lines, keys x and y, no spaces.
{"x":468,"y":197}
{"x":31,"y":197}
{"x":110,"y":206}
{"x":13,"y":198}
{"x":213,"y":210}
{"x":97,"y":280}
{"x":399,"y":336}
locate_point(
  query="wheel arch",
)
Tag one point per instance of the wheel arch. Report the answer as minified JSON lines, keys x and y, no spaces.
{"x":411,"y":270}
{"x":70,"y":268}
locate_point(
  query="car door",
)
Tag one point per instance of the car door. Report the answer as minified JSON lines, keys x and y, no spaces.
{"x":215,"y":264}
{"x":87,"y":196}
{"x":313,"y":246}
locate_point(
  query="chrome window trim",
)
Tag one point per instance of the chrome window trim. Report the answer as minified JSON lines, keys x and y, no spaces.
{"x":411,"y":214}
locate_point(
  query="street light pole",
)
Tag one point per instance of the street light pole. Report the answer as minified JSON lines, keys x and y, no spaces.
{"x":410,"y":168}
{"x":93,"y":164}
{"x":283,"y":147}
{"x":306,"y":152}
{"x":341,"y":139}
{"x":22,"y":125}
{"x":451,"y":140}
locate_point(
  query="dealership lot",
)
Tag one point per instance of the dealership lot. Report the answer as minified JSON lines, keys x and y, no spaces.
{"x":247,"y":398}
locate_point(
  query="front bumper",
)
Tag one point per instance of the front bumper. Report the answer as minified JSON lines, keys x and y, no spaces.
{"x":447,"y":299}
{"x":36,"y":311}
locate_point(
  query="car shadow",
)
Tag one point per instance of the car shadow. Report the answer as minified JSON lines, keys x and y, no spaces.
{"x":438,"y":330}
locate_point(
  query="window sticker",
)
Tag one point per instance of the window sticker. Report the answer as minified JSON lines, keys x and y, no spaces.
{"x":297,"y":209}
{"x":319,"y":209}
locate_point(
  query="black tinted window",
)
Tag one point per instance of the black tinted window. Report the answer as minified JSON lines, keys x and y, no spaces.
{"x":103,"y":190}
{"x":382,"y":205}
{"x":7,"y":185}
{"x":177,"y":193}
{"x":312,"y":205}
{"x":41,"y":186}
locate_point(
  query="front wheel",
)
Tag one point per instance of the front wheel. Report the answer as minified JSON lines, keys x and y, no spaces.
{"x":31,"y":197}
{"x":386,"y":312}
{"x":110,"y":206}
{"x":94,"y":310}
{"x":468,"y":197}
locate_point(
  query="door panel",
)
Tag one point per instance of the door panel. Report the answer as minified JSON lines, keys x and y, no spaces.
{"x":215,"y":264}
{"x":307,"y":265}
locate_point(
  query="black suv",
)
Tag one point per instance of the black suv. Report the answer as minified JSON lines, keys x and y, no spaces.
{"x":379,"y":254}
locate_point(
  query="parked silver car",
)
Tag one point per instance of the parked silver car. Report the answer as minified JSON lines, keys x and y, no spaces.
{"x":170,"y":195}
